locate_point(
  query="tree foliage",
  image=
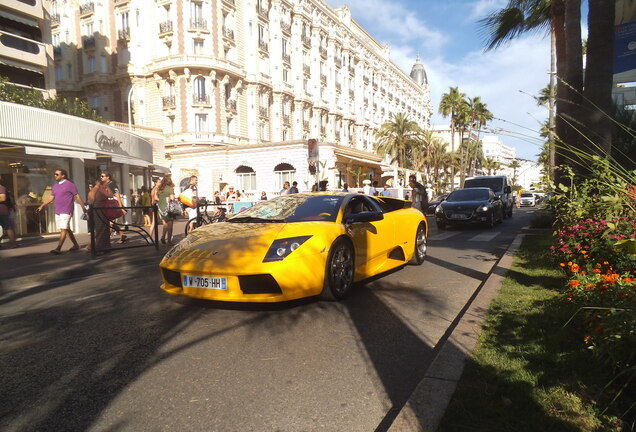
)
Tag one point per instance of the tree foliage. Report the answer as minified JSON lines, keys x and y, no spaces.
{"x":34,"y":98}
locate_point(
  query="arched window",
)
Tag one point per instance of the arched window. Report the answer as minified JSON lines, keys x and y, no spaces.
{"x":245,"y":178}
{"x":200,"y":95}
{"x":284,"y":172}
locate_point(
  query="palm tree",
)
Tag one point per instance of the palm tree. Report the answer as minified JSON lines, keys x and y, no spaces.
{"x":450,"y":105}
{"x":563,"y":19}
{"x":356,"y":173}
{"x":491,"y":165}
{"x":514,"y":165}
{"x":395,"y":136}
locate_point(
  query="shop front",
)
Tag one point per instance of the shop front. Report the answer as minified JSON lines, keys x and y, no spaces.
{"x":34,"y":143}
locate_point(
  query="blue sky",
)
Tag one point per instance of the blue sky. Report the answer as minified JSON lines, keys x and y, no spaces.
{"x":448,"y":38}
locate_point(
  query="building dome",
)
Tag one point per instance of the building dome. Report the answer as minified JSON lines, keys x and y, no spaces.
{"x":418,"y":73}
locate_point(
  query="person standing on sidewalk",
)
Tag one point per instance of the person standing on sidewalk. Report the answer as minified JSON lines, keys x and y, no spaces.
{"x":419,"y":195}
{"x":7,"y":206}
{"x":64,"y":193}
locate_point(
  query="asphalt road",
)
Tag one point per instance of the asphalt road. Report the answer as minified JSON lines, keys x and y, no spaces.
{"x":114,"y":353}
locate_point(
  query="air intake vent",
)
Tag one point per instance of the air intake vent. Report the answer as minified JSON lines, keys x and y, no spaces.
{"x":172,"y":277}
{"x":259,"y":284}
{"x":397,"y":254}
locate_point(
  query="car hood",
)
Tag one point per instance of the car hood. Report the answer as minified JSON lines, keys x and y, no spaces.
{"x":463,"y":205}
{"x":233,"y":247}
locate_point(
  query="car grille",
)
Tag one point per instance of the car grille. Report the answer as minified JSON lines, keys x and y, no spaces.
{"x":172,"y":277}
{"x":259,"y":284}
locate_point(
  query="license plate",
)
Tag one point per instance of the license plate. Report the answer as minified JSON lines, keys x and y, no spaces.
{"x":459,"y":216}
{"x":206,"y":282}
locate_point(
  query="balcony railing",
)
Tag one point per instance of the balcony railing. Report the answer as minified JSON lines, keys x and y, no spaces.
{"x":323,"y":78}
{"x":168,"y":101}
{"x":87,"y":8}
{"x":285,"y":27}
{"x":262,"y":12}
{"x":286,"y":58}
{"x":123,"y":34}
{"x":25,"y":49}
{"x":263,"y":111}
{"x":366,"y":79}
{"x":352,"y":70}
{"x":198,"y":24}
{"x":307,"y":69}
{"x":323,"y":130}
{"x":88,"y":42}
{"x":200,"y":99}
{"x":263,"y":45}
{"x":230,"y":105}
{"x":338,"y":87}
{"x":228,"y":32}
{"x":351,"y":94}
{"x":286,"y":119}
{"x":306,"y":40}
{"x":165,"y":27}
{"x":323,"y":52}
{"x":306,"y":124}
{"x":55,"y":19}
{"x":338,"y":61}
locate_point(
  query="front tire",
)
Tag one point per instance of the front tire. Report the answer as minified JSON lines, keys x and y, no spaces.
{"x":421,"y":246}
{"x":339,"y":271}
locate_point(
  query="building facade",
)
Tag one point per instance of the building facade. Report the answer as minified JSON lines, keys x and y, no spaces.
{"x":238,"y":86}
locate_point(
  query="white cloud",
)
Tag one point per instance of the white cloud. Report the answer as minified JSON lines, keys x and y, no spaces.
{"x":479,"y":9}
{"x":393,"y":19}
{"x":506,"y":80}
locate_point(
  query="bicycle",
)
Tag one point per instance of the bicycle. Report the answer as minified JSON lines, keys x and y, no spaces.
{"x":204,"y":218}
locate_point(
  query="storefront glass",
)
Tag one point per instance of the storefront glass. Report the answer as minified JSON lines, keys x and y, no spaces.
{"x":30,"y":181}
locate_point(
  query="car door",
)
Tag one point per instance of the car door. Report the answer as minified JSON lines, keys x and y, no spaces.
{"x":372,"y":240}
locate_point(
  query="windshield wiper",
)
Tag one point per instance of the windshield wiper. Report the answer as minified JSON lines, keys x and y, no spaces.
{"x":242,"y":219}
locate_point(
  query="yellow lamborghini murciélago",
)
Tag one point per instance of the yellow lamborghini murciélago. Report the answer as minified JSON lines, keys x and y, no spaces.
{"x":295,"y":246}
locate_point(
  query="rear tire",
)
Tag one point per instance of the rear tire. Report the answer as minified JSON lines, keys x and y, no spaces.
{"x":339,"y":271}
{"x":421,"y":246}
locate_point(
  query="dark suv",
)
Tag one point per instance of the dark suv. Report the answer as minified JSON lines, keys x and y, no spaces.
{"x":499,"y":185}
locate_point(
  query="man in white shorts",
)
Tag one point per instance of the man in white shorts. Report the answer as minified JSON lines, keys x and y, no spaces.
{"x":64,"y":193}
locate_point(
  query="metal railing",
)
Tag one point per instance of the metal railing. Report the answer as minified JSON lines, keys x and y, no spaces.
{"x":165,"y":27}
{"x":97,"y":216}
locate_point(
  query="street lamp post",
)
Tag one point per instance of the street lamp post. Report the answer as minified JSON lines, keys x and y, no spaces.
{"x":130,"y":92}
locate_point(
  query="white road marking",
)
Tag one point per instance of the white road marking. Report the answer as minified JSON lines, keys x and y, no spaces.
{"x":485,"y":236}
{"x":97,"y":295}
{"x":444,"y":235}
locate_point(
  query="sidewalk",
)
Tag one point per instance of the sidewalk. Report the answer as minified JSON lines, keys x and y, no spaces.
{"x":32,"y":264}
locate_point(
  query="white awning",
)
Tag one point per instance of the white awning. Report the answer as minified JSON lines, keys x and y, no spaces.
{"x":19,"y":18}
{"x":45,"y":151}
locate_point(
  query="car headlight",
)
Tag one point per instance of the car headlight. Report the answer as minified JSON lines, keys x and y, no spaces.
{"x":281,"y":248}
{"x":439,"y":209}
{"x":484,"y":208}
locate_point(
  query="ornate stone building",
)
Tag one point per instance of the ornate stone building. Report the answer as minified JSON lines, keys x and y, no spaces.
{"x":238,"y":86}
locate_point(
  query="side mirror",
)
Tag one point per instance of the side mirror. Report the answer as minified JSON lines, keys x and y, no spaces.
{"x":507,"y":189}
{"x":364,"y":217}
{"x":497,"y":198}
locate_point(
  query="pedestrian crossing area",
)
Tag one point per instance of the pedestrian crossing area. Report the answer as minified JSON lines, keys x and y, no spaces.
{"x":476,"y":237}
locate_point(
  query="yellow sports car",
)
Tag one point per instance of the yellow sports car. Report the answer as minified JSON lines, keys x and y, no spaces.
{"x":295,"y":246}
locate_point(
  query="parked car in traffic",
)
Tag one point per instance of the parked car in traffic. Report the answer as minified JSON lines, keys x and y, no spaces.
{"x":500,"y":186}
{"x":432,"y":205}
{"x":470,"y":206}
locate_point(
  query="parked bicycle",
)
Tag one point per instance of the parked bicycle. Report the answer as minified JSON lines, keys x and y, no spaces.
{"x":204,"y":218}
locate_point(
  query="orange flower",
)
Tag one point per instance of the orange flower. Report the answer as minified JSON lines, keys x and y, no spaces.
{"x":569,"y":263}
{"x":587,"y":339}
{"x":589,"y":286}
{"x":605,"y":263}
{"x":575,"y":268}
{"x":569,"y":296}
{"x":596,"y":271}
{"x":583,"y":272}
{"x":574,"y":283}
{"x":562,"y":264}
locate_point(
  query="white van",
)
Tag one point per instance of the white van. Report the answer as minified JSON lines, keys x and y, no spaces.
{"x":499,"y":185}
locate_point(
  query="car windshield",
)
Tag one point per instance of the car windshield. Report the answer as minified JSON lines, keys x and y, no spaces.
{"x":493,"y":183}
{"x":292,"y":208}
{"x":527,"y":195}
{"x":468,"y":195}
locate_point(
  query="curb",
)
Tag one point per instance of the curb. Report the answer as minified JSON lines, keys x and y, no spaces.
{"x":428,"y":402}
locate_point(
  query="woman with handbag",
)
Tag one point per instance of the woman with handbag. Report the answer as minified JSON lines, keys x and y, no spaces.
{"x":168,"y":207}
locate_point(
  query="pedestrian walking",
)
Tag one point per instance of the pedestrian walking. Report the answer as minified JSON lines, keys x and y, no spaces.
{"x":165,"y":194}
{"x":189,"y":198}
{"x":367,"y":189}
{"x":419,"y":197}
{"x":7,"y":208}
{"x":146,"y":202}
{"x":64,"y":193}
